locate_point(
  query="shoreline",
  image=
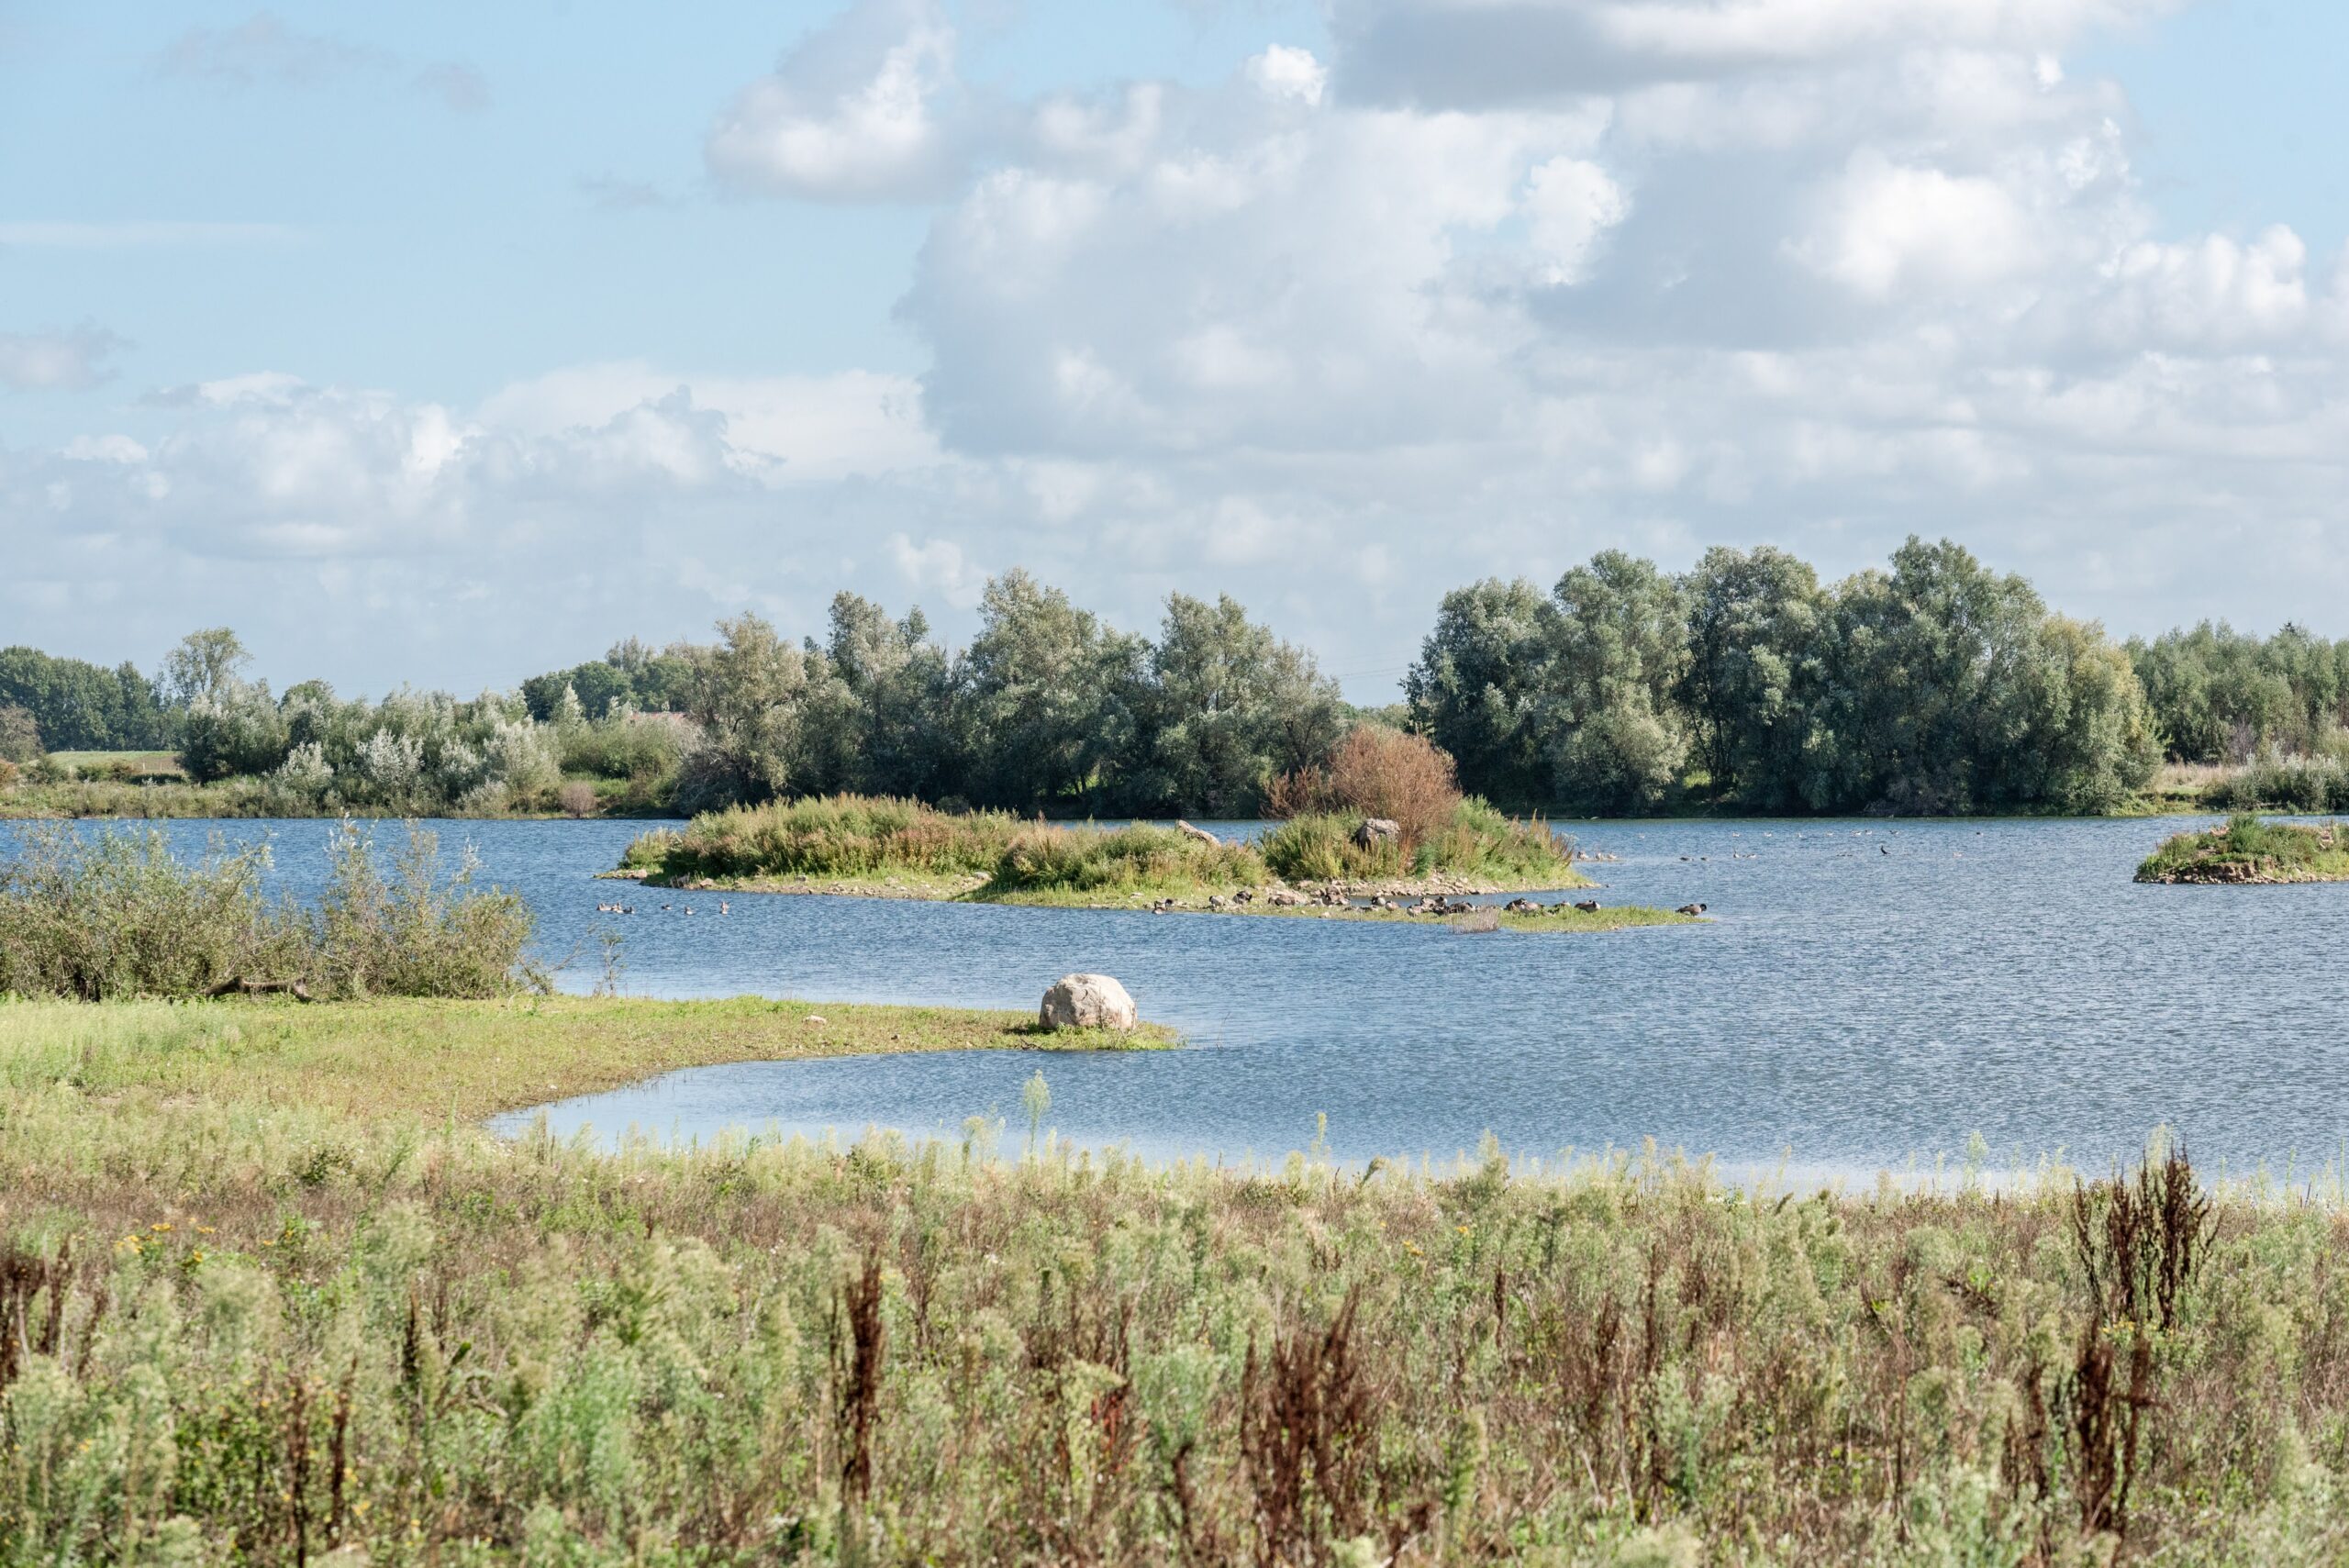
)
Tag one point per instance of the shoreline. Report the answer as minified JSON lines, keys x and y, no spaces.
{"x":1276,"y":900}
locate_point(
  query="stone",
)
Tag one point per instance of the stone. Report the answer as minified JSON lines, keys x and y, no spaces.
{"x":1086,"y":1002}
{"x":1378,"y":830}
{"x":1201,"y":834}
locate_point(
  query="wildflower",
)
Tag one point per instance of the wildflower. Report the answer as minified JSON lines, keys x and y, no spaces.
{"x":161,"y":1225}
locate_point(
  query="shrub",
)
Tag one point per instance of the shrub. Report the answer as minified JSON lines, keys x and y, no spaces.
{"x":1135,"y":859}
{"x":627,"y":746}
{"x":9,"y":774}
{"x":118,"y":915}
{"x":578,"y":798}
{"x":1319,"y":847}
{"x":1476,"y":840}
{"x":840,"y":835}
{"x":417,"y":932}
{"x":1376,"y":771}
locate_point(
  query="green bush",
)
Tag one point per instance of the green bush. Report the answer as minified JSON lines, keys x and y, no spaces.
{"x":840,"y":835}
{"x":1477,"y":841}
{"x":116,"y":914}
{"x":1320,"y":847}
{"x":1134,"y":859}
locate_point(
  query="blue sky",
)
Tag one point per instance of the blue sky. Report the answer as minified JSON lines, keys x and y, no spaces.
{"x":447,"y":343}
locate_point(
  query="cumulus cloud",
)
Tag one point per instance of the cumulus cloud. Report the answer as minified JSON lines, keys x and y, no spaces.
{"x":1481,"y":52}
{"x":1486,"y":286}
{"x":68,"y":360}
{"x":863,"y":108}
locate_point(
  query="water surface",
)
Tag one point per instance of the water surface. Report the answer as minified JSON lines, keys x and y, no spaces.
{"x":1866,"y":994}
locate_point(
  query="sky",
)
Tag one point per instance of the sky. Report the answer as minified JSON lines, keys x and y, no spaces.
{"x":448,"y":343}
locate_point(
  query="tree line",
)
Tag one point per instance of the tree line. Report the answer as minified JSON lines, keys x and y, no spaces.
{"x":1931,"y":684}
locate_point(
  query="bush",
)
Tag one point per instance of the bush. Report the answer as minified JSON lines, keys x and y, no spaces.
{"x":643,"y":746}
{"x":9,"y":774}
{"x":1376,"y":771}
{"x":1135,"y":859}
{"x":1475,"y":841}
{"x":118,"y":915}
{"x":578,"y":798}
{"x":1320,"y":848}
{"x":839,"y":835}
{"x":2272,"y":782}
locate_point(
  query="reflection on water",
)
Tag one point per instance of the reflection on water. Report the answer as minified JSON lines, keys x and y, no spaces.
{"x":1868,"y":994}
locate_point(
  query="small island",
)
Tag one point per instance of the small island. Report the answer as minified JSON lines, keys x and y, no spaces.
{"x":1330,"y":864}
{"x":2248,"y":851}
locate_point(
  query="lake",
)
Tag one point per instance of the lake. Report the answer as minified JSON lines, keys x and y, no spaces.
{"x":1868,"y":995}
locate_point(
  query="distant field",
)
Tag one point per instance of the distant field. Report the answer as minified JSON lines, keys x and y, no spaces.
{"x":98,"y":763}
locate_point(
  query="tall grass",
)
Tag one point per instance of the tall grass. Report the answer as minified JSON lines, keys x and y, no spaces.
{"x":1139,"y":858}
{"x":245,"y":1328}
{"x":117,"y":914}
{"x":2271,"y":781}
{"x":829,"y":836}
{"x":1475,"y":842}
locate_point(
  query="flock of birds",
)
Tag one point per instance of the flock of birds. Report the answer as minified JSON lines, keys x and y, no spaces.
{"x":723,"y":908}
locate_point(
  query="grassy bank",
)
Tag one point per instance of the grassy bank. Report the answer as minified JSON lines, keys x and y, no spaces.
{"x":254,"y":1313}
{"x":897,"y":847}
{"x":468,"y":1060}
{"x":2249,"y":851}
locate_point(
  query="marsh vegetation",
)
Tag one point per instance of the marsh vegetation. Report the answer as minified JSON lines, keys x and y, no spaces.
{"x":2247,"y":848}
{"x":256,"y":1313}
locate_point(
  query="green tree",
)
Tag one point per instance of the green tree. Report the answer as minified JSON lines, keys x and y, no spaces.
{"x":206,"y":664}
{"x":1919,"y":669}
{"x":1479,"y":687}
{"x":751,"y":697}
{"x":1754,"y":624}
{"x":19,"y":734}
{"x":1047,"y":699}
{"x":1226,"y":707}
{"x":81,"y":707}
{"x":238,"y":732}
{"x":902,"y":688}
{"x":1615,"y":736}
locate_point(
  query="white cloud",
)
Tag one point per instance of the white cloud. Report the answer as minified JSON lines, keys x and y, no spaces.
{"x":1481,"y":52}
{"x":1286,"y":72}
{"x":937,"y":566}
{"x":1890,"y":227}
{"x":68,"y":360}
{"x":1340,"y":333}
{"x":1569,"y":203}
{"x":859,"y":110}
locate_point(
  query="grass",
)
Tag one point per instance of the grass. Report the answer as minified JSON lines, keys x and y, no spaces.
{"x":265,"y":1297}
{"x":2248,"y":850}
{"x":899,"y":848}
{"x":468,"y":1060}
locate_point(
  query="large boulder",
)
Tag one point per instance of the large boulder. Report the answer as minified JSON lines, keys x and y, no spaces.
{"x":1378,"y":830}
{"x":1086,"y":1002}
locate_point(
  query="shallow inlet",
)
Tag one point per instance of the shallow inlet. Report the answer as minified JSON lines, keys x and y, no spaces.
{"x":1859,"y":1007}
